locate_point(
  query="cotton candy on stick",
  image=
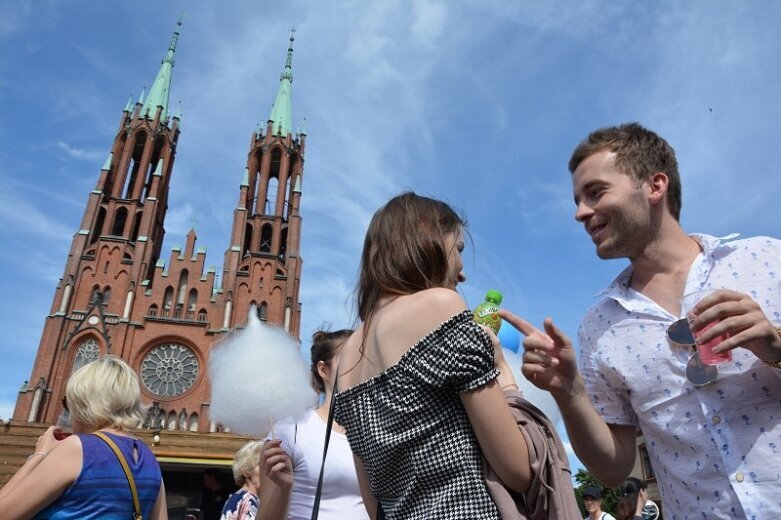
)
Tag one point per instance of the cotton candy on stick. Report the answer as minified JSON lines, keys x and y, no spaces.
{"x":258,"y":376}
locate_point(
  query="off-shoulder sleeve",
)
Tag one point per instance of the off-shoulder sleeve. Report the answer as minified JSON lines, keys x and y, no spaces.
{"x":461,"y":355}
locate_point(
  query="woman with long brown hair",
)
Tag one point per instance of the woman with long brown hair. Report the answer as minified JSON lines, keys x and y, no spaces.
{"x":420,"y":393}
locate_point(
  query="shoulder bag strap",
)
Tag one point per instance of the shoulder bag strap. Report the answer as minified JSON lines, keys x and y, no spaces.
{"x":126,"y":469}
{"x":328,"y":425}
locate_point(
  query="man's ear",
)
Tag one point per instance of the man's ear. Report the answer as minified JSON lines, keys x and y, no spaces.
{"x":658,"y":184}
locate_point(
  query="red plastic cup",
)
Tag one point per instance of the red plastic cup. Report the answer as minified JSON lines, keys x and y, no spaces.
{"x":705,"y":349}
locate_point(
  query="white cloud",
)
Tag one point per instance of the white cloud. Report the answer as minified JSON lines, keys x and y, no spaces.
{"x":81,"y":153}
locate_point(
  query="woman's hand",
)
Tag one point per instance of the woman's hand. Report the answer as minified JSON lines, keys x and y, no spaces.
{"x":276,"y":464}
{"x":47,"y":441}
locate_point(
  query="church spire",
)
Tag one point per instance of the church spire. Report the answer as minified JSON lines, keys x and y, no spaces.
{"x":281,"y":112}
{"x":158,"y":94}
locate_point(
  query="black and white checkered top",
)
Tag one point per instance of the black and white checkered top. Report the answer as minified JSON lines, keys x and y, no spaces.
{"x":412,"y":433}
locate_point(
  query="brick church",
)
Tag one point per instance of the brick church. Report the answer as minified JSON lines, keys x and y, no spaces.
{"x":118,"y":295}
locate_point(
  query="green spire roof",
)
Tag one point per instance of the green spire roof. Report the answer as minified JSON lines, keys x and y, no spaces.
{"x":158,"y":94}
{"x":281,"y":112}
{"x":129,"y":105}
{"x":107,"y":164}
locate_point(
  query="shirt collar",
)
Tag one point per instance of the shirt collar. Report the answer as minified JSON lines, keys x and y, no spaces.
{"x":619,"y":289}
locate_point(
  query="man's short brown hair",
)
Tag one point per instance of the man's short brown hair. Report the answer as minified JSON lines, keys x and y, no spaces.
{"x":639,"y":153}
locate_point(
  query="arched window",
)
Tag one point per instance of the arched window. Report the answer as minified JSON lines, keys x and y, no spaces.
{"x":135,"y":164}
{"x":194,"y":422}
{"x":263,"y":311}
{"x":98,"y":228}
{"x":119,"y":222}
{"x":152,"y":310}
{"x":271,"y":196}
{"x":106,"y":296}
{"x":202,"y":315}
{"x":182,"y":292}
{"x":266,"y":233}
{"x":168,"y":301}
{"x":136,"y":227}
{"x":192,"y":300}
{"x":286,"y":205}
{"x":247,"y":239}
{"x":94,"y":295}
{"x":183,"y":420}
{"x":283,"y":244}
{"x":87,"y":352}
{"x":172,"y":420}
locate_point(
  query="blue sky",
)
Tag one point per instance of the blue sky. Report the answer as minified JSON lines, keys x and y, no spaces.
{"x":476,"y":102}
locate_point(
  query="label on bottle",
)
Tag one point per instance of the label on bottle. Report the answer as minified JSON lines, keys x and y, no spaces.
{"x":488,"y":314}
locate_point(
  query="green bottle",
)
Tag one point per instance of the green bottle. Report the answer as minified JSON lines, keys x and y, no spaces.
{"x":487,"y":313}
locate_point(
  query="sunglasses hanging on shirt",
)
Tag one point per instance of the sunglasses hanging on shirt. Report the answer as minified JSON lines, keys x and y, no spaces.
{"x":697,"y":372}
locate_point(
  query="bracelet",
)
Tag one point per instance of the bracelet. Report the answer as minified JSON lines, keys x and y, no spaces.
{"x":41,"y":453}
{"x":774,"y":364}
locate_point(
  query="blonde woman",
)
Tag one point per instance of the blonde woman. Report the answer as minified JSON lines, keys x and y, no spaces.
{"x":243,"y":504}
{"x":80,"y":477}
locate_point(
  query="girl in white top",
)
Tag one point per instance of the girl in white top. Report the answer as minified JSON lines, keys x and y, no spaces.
{"x":291,"y":461}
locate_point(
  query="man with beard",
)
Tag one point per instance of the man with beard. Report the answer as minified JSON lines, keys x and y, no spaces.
{"x":713,"y":433}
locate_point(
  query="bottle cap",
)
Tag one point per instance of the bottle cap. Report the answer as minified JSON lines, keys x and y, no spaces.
{"x":493,"y":296}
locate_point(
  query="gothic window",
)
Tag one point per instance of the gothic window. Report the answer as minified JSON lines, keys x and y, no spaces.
{"x":136,"y":227}
{"x":87,"y":352}
{"x":106,"y":296}
{"x":183,"y":420}
{"x":276,"y":162}
{"x":202,"y":315}
{"x":119,"y":222}
{"x":94,"y":295}
{"x":247,"y":239}
{"x":169,"y":370}
{"x":255,"y":191}
{"x":192,"y":300}
{"x":194,"y":422}
{"x":152,"y":310}
{"x":182,"y":292}
{"x":263,"y":311}
{"x":286,"y":205}
{"x":172,"y":420}
{"x":135,"y":164}
{"x":266,"y":233}
{"x":283,"y":245}
{"x":154,"y":161}
{"x":271,"y":196}
{"x":168,"y":298}
{"x":98,"y":229}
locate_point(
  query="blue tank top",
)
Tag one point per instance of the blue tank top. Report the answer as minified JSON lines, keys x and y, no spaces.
{"x":101,"y":490}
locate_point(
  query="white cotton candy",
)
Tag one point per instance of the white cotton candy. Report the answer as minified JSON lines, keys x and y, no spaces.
{"x":539,"y":398}
{"x":258,"y":376}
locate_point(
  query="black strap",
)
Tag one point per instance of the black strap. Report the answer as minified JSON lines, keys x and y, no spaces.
{"x":328,"y":425}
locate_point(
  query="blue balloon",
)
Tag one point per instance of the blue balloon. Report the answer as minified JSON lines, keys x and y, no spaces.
{"x":509,"y":337}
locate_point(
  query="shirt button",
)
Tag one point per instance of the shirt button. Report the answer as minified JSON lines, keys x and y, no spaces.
{"x":716,"y":419}
{"x":739,"y":477}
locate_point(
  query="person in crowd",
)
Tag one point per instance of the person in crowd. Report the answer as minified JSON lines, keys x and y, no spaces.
{"x":711,"y":432}
{"x":633,"y":499}
{"x":293,"y":457}
{"x":243,"y":503}
{"x":213,"y":496}
{"x":79,"y":476}
{"x":592,"y":500}
{"x":419,"y":395}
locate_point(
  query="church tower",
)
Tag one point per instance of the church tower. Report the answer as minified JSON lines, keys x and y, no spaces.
{"x":118,"y":296}
{"x":263,"y":264}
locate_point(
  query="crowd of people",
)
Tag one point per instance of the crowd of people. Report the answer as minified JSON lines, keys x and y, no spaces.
{"x":425,"y":416}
